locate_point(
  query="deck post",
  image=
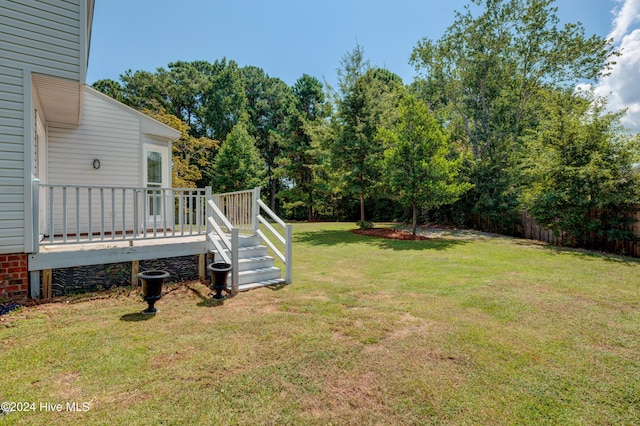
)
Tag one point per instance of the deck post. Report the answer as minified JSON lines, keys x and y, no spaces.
{"x":235,"y":274}
{"x":135,"y":268}
{"x":209,"y":210}
{"x":288,"y":276}
{"x":202,"y":267}
{"x":35,"y":226}
{"x":255,"y":209}
{"x":34,"y":276}
{"x":34,"y":284}
{"x":47,"y":278}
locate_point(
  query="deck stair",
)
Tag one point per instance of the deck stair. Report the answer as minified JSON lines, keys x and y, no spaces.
{"x":255,"y":267}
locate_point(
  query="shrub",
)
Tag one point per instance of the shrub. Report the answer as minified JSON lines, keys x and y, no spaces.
{"x":364,"y":224}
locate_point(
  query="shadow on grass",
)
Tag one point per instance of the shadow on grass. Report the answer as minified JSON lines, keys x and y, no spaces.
{"x":337,"y":237}
{"x":206,"y":299}
{"x":277,"y":287}
{"x":208,"y":302}
{"x":135,"y":317}
{"x":593,"y":255}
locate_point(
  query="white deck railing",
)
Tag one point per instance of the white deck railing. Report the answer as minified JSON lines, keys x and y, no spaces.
{"x":218,"y":229}
{"x":238,"y":208}
{"x":71,"y":214}
{"x":285,"y":240}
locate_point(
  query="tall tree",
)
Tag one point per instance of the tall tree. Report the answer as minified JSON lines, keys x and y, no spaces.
{"x":484,"y":76}
{"x":224,"y":103}
{"x":183,"y":86}
{"x":417,"y":164}
{"x":144,"y":90}
{"x":270,"y":107}
{"x":367,"y":95}
{"x":302,"y":152}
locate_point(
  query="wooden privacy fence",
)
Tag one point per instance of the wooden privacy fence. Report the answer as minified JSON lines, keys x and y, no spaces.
{"x":532,"y":231}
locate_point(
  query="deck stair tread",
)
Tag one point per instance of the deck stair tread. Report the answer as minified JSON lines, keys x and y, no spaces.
{"x":255,"y":266}
{"x":265,"y":283}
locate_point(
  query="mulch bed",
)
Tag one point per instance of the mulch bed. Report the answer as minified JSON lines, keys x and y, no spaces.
{"x":389,"y":233}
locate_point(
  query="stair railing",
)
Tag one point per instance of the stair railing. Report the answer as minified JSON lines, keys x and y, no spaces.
{"x":240,"y":210}
{"x":285,"y":240}
{"x":217,"y":238}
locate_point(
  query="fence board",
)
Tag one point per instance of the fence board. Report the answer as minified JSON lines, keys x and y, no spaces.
{"x":533,"y":231}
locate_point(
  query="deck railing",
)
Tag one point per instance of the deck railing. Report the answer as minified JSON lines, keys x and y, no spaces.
{"x":238,"y":208}
{"x":285,"y":240}
{"x":71,"y":214}
{"x":75,"y":214}
{"x":219,"y":228}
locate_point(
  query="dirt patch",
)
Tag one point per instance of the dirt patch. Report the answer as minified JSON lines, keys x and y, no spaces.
{"x":389,"y":233}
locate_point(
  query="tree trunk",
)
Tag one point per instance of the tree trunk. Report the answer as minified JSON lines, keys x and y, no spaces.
{"x":414,"y":224}
{"x":361,"y":205}
{"x":272,"y":195}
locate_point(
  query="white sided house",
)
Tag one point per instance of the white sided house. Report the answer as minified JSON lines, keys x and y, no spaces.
{"x":86,"y":180}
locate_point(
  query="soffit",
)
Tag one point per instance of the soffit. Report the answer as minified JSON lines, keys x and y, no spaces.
{"x":60,"y":99}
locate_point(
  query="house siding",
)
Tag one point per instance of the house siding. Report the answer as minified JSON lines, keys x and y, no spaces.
{"x":36,"y":36}
{"x":11,"y":160}
{"x":43,"y":36}
{"x":109,"y":134}
{"x":13,"y":262}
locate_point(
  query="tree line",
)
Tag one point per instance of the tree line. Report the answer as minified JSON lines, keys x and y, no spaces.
{"x":493,"y":125}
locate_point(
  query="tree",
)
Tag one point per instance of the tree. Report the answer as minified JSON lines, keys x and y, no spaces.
{"x":270,"y":108}
{"x":417,"y":166}
{"x":484,"y":77}
{"x":224,"y":103}
{"x":110,"y":88}
{"x":191,"y":155}
{"x":238,"y":165}
{"x":302,"y":151}
{"x":183,"y":86}
{"x":367,"y":96}
{"x":580,"y":180}
{"x":143,"y":90}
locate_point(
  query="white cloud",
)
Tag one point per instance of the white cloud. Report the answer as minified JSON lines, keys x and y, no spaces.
{"x":622,"y":87}
{"x":625,"y":17}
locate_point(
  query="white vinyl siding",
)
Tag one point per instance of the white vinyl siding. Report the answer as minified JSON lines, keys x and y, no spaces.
{"x":37,"y":37}
{"x":43,"y":35}
{"x":11,"y":160}
{"x":107,"y":133}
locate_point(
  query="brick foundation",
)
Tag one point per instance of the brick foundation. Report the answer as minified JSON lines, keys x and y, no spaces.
{"x":14,"y":276}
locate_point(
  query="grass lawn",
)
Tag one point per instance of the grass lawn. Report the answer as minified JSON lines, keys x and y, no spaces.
{"x":463,"y":329}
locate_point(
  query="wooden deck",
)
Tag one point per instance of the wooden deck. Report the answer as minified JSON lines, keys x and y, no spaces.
{"x":114,"y":251}
{"x":200,"y":214}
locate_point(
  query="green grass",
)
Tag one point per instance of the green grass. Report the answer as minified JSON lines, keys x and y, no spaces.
{"x":456,"y":330}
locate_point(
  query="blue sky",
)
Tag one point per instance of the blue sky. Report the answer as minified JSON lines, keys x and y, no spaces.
{"x":287,"y":38}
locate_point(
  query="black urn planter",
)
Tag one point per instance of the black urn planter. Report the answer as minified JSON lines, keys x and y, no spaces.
{"x":152,"y":288}
{"x":219,"y":274}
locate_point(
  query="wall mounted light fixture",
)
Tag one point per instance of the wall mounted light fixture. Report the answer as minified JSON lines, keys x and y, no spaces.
{"x":96,"y":164}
